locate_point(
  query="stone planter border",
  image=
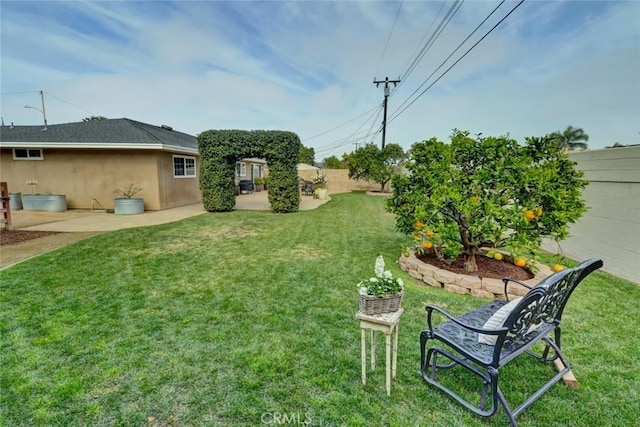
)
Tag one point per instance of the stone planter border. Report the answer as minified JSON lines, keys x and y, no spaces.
{"x":464,"y":284}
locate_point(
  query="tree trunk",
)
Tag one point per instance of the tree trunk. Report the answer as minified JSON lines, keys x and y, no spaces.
{"x":470,"y":265}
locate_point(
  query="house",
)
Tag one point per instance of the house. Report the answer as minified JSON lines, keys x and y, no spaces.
{"x":88,"y":161}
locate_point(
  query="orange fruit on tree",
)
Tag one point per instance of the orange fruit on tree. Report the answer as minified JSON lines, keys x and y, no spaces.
{"x":557,"y":267}
{"x":430,"y":234}
{"x":497,"y":256}
{"x":538,"y":211}
{"x":427,"y":245}
{"x":529,"y":214}
{"x":520,"y":262}
{"x":418,"y":225}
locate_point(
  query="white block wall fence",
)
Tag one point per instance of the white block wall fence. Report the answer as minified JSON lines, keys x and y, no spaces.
{"x":610,"y":229}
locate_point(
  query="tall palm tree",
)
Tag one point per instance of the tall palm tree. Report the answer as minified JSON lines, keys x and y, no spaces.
{"x":571,"y":139}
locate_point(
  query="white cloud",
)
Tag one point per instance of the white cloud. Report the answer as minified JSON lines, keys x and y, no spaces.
{"x":309,"y":66}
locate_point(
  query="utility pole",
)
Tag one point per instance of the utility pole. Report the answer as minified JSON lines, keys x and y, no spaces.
{"x":386,"y":82}
{"x":44,"y":114}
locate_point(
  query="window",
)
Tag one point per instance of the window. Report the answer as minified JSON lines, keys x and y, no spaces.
{"x":184,"y":167}
{"x":241,"y":169}
{"x":27,"y":154}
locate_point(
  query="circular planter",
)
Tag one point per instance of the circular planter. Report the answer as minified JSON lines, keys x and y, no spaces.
{"x":15,"y":202}
{"x":124,"y":206}
{"x":44,"y":202}
{"x":466,"y":284}
{"x":322,"y":193}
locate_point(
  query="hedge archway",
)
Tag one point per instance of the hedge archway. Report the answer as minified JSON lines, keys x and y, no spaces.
{"x":221,"y":149}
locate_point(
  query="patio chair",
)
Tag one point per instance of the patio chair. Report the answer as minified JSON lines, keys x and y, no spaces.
{"x":308,"y":188}
{"x":486,"y":339}
{"x":246,"y":186}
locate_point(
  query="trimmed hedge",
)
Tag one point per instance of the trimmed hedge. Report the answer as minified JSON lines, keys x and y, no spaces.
{"x":221,"y":149}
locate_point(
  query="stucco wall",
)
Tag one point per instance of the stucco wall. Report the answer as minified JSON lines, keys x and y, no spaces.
{"x":172,"y":191}
{"x":610,"y":229}
{"x":338,"y":180}
{"x":89,"y":177}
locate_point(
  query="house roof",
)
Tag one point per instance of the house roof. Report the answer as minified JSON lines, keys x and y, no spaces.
{"x":108,"y":133}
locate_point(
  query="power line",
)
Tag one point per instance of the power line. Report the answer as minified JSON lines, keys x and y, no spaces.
{"x":49,"y":94}
{"x":434,"y":36}
{"x":456,"y":62}
{"x":340,"y":125}
{"x":347,"y":141}
{"x":388,"y":38}
{"x":426,"y":33}
{"x":448,"y":57}
{"x":19,"y":93}
{"x":352,"y":137}
{"x":378,"y":67}
{"x":73,"y":105}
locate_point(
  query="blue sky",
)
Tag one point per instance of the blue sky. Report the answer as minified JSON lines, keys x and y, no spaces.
{"x":308,"y":67}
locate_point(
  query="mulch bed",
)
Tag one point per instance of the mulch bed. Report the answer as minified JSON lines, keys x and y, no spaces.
{"x":13,"y":237}
{"x":487,"y":267}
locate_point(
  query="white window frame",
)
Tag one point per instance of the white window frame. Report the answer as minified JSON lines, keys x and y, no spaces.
{"x":29,"y":154}
{"x":241,"y":169}
{"x":184,"y":164}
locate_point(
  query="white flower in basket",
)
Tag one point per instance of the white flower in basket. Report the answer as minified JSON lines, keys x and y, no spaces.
{"x":382,"y":293}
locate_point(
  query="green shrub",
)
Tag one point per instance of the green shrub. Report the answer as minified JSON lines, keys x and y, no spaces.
{"x":221,"y":149}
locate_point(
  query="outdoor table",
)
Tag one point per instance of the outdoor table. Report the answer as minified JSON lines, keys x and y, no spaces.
{"x":388,"y":324}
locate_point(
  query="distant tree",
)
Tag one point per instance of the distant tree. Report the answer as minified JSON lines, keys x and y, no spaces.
{"x":571,"y":139}
{"x":332,"y":163}
{"x":307,"y":155}
{"x":94,"y":118}
{"x":371,"y":164}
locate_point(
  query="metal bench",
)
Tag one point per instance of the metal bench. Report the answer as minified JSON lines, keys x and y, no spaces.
{"x":472,"y":341}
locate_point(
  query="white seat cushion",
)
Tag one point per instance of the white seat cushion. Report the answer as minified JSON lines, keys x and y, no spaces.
{"x":496,"y":321}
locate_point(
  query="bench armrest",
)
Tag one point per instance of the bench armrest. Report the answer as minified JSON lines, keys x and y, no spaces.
{"x":506,"y":285}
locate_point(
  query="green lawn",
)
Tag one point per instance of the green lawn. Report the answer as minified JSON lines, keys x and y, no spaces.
{"x":236,"y":318}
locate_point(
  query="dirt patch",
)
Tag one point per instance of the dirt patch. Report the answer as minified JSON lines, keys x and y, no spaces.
{"x":13,"y":237}
{"x":487,"y":267}
{"x":34,"y":243}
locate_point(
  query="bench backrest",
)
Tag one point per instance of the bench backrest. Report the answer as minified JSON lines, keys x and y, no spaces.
{"x":546,"y":301}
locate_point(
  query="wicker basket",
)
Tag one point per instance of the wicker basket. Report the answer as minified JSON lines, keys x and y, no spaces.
{"x":376,"y":305}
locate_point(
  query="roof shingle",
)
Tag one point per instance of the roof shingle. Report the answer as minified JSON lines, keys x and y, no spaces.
{"x":104,"y":132}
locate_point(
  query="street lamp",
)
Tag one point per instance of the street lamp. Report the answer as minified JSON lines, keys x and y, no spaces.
{"x":44,"y":115}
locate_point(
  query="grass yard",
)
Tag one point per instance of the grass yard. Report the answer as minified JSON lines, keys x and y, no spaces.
{"x":239,"y":318}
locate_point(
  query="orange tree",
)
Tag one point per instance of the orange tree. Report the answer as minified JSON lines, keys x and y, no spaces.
{"x":486,"y":192}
